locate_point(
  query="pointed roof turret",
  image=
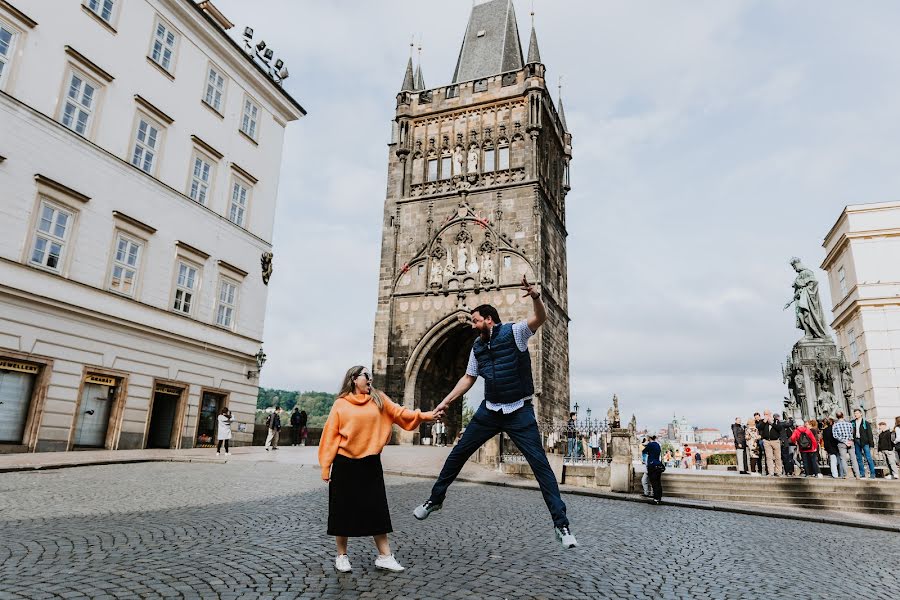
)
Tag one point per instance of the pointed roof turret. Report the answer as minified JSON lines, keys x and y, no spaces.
{"x":409,"y":83}
{"x":534,"y":53}
{"x":491,"y":45}
{"x":560,"y":110}
{"x":419,"y":79}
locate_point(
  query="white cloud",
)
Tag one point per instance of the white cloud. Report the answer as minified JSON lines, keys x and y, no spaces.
{"x":712,"y":140}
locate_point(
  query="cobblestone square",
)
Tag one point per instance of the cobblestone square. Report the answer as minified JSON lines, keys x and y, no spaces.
{"x":256,"y":530}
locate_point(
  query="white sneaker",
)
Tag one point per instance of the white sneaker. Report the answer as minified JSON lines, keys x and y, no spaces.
{"x":228,"y":454}
{"x":566,"y":538}
{"x":217,"y":452}
{"x":342,"y":563}
{"x":388,"y":563}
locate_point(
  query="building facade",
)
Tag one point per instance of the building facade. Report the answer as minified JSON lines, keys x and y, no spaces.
{"x":139,"y":163}
{"x":478,"y":172}
{"x":863,"y":265}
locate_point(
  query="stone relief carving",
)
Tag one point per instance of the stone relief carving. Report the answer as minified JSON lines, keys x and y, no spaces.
{"x":473,"y":160}
{"x":458,"y":161}
{"x":266,"y":264}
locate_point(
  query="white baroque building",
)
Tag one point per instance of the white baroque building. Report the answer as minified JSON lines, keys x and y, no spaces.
{"x":863,"y":265}
{"x":140,"y":149}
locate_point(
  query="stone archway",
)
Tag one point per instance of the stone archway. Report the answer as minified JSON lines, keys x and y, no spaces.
{"x":435,"y":366}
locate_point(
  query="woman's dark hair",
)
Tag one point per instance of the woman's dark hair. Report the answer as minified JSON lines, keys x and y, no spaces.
{"x":224,"y":410}
{"x":486,"y":310}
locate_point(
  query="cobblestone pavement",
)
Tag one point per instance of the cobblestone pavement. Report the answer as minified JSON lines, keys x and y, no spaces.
{"x":256,"y":530}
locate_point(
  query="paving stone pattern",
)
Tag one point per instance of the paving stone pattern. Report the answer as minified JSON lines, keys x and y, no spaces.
{"x":256,"y":530}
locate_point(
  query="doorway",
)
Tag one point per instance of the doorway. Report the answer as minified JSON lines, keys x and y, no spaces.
{"x":210,"y":405}
{"x":163,"y":416}
{"x":98,"y":395}
{"x":16,"y":388}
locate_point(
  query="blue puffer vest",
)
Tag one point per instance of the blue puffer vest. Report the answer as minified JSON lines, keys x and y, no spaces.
{"x":506,"y":370}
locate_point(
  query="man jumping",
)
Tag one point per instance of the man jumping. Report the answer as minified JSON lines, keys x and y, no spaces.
{"x":500,"y":356}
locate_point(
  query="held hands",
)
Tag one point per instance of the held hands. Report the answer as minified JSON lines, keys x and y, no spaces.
{"x":529,"y":289}
{"x":434,"y":415}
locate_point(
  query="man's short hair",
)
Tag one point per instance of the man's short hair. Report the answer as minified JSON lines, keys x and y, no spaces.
{"x":839,"y":414}
{"x":652,"y":437}
{"x":486,"y":310}
{"x":882,"y":423}
{"x":857,"y":410}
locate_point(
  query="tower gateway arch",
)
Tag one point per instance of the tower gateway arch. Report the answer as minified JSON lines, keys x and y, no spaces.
{"x":478,"y":172}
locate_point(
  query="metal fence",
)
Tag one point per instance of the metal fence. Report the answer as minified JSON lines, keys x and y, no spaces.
{"x":584,"y":442}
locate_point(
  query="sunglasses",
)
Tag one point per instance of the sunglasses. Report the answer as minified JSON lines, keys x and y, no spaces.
{"x":364,"y":374}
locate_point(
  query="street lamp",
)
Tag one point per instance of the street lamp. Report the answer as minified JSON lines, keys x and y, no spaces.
{"x":260,"y":361}
{"x":576,"y":408}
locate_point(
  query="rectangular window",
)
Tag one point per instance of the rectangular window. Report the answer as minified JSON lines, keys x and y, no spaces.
{"x":123,"y":277}
{"x":215,"y":89}
{"x":421,"y":271}
{"x":489,"y":155}
{"x":7,"y":45}
{"x":237,"y":209}
{"x":201,"y":178}
{"x":854,"y":351}
{"x":226,"y":302}
{"x":51,"y":235}
{"x":102,"y":8}
{"x":507,"y":262}
{"x":163,"y":50}
{"x":185,"y":288}
{"x":503,"y":158}
{"x":250,"y":119}
{"x":78,"y":106}
{"x":842,"y":279}
{"x":146,"y":144}
{"x":432,"y":169}
{"x":446,"y":170}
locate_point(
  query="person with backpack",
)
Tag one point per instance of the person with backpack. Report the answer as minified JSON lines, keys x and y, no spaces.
{"x":273,"y":424}
{"x":805,"y":438}
{"x":886,"y":439}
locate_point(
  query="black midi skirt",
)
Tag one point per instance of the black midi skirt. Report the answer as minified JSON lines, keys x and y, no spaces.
{"x":357,"y":501}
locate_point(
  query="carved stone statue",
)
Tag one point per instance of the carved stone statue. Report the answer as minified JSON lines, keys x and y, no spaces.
{"x":807,"y":303}
{"x":458,"y":161}
{"x":799,"y":386}
{"x":473,"y":260}
{"x":473,"y":160}
{"x":487,"y":268}
{"x":461,"y":258}
{"x":612,"y":414}
{"x":448,"y":267}
{"x":632,"y":424}
{"x":266,"y":263}
{"x":437,"y":273}
{"x":827,"y":403}
{"x":847,"y":381}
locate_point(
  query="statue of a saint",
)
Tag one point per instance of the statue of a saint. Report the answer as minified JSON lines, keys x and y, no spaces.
{"x":473,"y":160}
{"x":473,"y":260}
{"x":807,"y":304}
{"x":458,"y":161}
{"x":487,"y":268}
{"x":632,"y":424}
{"x":799,"y":389}
{"x":827,"y":403}
{"x":847,"y":381}
{"x":461,"y":258}
{"x":437,"y":273}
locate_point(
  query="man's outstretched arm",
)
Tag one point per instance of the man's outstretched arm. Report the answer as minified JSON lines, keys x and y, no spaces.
{"x":540,"y":313}
{"x":462,"y":386}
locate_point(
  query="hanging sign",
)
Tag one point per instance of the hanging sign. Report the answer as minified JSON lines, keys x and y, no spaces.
{"x":100,"y":380}
{"x":162,"y":388}
{"x":11,"y":365}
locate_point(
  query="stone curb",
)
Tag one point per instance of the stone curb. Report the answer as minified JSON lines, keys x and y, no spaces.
{"x":113,"y":461}
{"x":677,"y":502}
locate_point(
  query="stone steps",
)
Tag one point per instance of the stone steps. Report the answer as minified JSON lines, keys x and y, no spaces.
{"x":865,"y":496}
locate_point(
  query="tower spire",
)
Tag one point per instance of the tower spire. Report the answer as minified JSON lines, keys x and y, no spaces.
{"x":534,"y":53}
{"x":419,"y":78}
{"x":561,"y":110}
{"x":409,"y":83}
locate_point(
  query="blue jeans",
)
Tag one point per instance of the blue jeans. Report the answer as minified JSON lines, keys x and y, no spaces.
{"x":869,"y":459}
{"x":521,"y":427}
{"x":572,"y":448}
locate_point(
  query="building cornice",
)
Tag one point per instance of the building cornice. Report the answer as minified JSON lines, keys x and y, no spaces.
{"x":207,"y":27}
{"x":244,"y":173}
{"x":24,"y":19}
{"x":230,"y":267}
{"x":89,"y":65}
{"x":215,"y":153}
{"x":153,"y":110}
{"x":134,"y":222}
{"x":43,"y":180}
{"x":61,"y":129}
{"x":853,"y":307}
{"x":845,"y":238}
{"x":196,"y":251}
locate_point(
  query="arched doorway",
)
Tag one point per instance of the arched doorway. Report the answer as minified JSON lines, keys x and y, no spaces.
{"x":437,"y":363}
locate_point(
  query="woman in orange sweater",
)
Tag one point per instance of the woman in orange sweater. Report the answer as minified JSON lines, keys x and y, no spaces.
{"x":357,"y":429}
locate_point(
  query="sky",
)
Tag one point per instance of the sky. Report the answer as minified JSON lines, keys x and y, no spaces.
{"x":712,"y":142}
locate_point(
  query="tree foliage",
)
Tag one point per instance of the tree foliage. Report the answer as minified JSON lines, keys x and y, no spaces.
{"x":316,"y":404}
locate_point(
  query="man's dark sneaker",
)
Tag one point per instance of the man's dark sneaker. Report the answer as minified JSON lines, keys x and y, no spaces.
{"x":657,"y":502}
{"x":422,"y":512}
{"x":565,"y":537}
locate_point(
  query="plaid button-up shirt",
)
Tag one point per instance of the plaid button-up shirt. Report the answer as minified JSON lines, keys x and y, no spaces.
{"x":842,"y":431}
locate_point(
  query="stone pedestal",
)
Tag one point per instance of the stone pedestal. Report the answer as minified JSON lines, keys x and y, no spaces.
{"x":813,"y":367}
{"x":620,"y":469}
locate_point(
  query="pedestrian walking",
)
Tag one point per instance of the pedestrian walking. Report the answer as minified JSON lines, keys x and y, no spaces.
{"x":273,"y":423}
{"x":572,"y":437}
{"x":679,"y":456}
{"x":805,"y":438}
{"x":698,"y":461}
{"x":688,"y":457}
{"x":500,"y":355}
{"x":863,"y":440}
{"x":655,"y":468}
{"x":356,"y":431}
{"x":298,"y":422}
{"x":224,"y":430}
{"x":594,"y":442}
{"x":886,"y":447}
{"x":770,"y":432}
{"x":843,"y":433}
{"x":739,"y":432}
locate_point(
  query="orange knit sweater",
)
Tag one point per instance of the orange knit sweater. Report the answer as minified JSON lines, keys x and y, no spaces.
{"x":356,"y":428}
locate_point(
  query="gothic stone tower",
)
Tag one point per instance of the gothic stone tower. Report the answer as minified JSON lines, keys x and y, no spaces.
{"x":478,"y":172}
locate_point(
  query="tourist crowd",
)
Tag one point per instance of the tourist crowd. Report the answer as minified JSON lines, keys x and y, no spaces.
{"x":776,"y":445}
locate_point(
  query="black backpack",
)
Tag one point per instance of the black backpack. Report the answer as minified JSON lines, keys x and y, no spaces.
{"x":804,"y":443}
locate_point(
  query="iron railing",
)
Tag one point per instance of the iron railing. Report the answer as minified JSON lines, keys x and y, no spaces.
{"x":584,"y":441}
